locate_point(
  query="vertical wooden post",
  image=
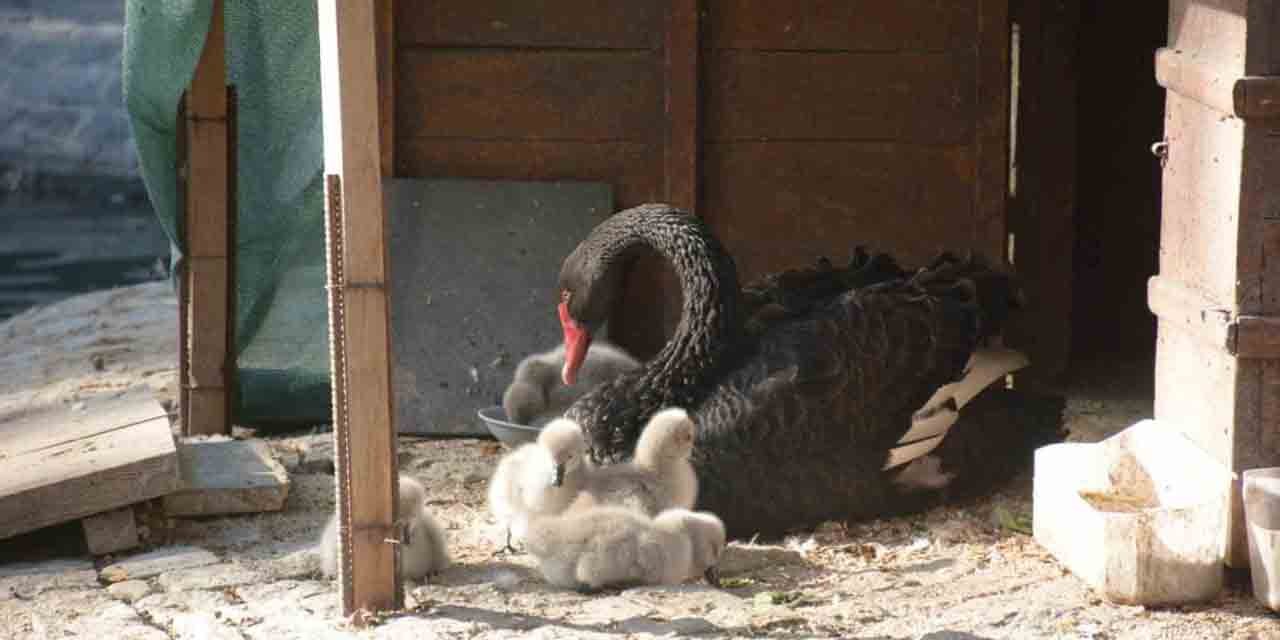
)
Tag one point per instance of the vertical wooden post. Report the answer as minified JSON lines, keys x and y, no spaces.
{"x":386,"y":38}
{"x":991,"y":184}
{"x":681,"y":156}
{"x":208,"y":365}
{"x":355,"y":232}
{"x":1042,"y":212}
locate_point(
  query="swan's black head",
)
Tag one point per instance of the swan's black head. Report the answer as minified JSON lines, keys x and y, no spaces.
{"x":589,"y":285}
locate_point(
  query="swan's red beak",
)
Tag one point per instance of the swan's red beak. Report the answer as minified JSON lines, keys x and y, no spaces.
{"x":576,"y":341}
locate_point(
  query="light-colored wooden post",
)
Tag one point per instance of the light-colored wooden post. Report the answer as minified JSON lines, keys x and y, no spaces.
{"x":208,"y":366}
{"x":360,"y":335}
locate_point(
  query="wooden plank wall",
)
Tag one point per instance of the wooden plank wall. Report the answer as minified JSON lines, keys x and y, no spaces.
{"x":833,"y":124}
{"x":820,"y":125}
{"x":570,"y":90}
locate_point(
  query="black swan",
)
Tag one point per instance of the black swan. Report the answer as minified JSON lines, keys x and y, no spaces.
{"x":809,"y":388}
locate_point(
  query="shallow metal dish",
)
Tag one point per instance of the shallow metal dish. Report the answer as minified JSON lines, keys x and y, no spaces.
{"x":509,"y":433}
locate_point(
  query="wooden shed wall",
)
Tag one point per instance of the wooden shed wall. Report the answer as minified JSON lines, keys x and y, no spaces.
{"x":822,"y":124}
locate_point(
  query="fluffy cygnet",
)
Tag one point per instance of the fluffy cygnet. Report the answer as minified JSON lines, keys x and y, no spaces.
{"x":422,"y":546}
{"x":659,"y":475}
{"x":538,"y":478}
{"x":536,"y":394}
{"x":607,"y":546}
{"x":707,"y":538}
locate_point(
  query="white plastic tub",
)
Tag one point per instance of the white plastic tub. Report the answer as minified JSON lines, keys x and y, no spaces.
{"x":1140,"y":516}
{"x":1262,"y":517}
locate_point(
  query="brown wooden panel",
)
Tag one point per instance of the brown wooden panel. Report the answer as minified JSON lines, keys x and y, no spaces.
{"x":782,"y":204}
{"x":574,"y":95}
{"x":840,"y":96}
{"x":991,"y":129}
{"x":856,"y":25}
{"x":1201,"y":195}
{"x":634,"y":169}
{"x":633,"y":24}
{"x":683,"y":124}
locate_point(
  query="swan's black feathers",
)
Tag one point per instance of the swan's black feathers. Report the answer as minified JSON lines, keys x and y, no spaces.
{"x":796,"y":414}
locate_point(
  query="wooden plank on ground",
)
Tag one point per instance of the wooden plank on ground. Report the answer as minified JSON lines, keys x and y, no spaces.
{"x":355,"y":231}
{"x":59,"y":464}
{"x":502,"y":94}
{"x":231,"y":476}
{"x":110,"y":531}
{"x":207,"y":224}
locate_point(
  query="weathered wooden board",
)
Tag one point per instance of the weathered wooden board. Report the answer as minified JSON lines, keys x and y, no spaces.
{"x":474,"y":267}
{"x":545,"y":95}
{"x":59,"y":464}
{"x":613,"y":24}
{"x":231,"y":476}
{"x":901,"y":96}
{"x":852,"y":25}
{"x":110,"y":531}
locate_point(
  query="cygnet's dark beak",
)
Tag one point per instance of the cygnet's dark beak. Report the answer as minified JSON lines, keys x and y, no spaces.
{"x":557,"y":476}
{"x":712,"y":575}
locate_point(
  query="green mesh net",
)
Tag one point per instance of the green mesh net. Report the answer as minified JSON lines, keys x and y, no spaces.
{"x":273,"y":61}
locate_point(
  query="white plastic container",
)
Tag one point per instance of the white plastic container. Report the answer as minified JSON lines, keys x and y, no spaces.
{"x":1262,"y":518}
{"x":1140,"y":516}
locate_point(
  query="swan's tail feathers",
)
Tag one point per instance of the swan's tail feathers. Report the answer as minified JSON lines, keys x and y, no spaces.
{"x":995,"y":292}
{"x":789,"y":294}
{"x":995,"y":437}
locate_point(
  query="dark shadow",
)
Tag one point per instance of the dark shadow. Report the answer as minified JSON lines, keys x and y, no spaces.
{"x":1117,"y":222}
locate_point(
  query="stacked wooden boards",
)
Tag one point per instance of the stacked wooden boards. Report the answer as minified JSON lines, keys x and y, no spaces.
{"x":93,"y":460}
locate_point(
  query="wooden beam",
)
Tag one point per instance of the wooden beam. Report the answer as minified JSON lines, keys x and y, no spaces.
{"x":1177,"y":306}
{"x":386,"y":38}
{"x":360,"y":334}
{"x":1042,"y":207}
{"x":680,"y":53}
{"x":207,"y":224}
{"x":991,"y":142}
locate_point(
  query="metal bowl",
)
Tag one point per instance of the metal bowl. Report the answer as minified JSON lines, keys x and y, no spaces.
{"x":509,"y":433}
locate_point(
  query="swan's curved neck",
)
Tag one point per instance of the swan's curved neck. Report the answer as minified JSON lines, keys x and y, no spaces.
{"x":708,"y":325}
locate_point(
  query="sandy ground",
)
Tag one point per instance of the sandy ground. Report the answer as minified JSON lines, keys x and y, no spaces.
{"x":958,"y":572}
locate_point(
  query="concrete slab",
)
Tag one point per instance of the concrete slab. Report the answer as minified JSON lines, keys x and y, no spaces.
{"x":214,"y":576}
{"x":469,"y":303}
{"x":154,"y":563}
{"x":233,"y":476}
